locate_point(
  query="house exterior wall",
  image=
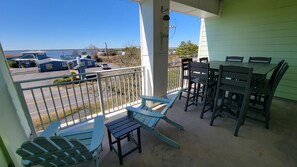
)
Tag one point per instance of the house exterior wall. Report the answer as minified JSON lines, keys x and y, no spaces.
{"x":257,"y":28}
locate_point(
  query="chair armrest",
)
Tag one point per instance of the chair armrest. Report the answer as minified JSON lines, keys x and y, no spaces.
{"x":146,"y":113}
{"x":155,"y":99}
{"x":76,"y":132}
{"x":51,"y":129}
{"x":98,"y":133}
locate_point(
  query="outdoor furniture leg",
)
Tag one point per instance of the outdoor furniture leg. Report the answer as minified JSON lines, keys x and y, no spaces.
{"x":139,"y":140}
{"x":109,"y":139}
{"x":120,"y":151}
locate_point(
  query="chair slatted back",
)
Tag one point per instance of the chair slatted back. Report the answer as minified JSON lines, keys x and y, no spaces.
{"x":275,"y":72}
{"x":203,"y":59}
{"x":185,"y":62}
{"x":171,"y":102}
{"x":184,"y":65}
{"x":199,"y":71}
{"x":152,"y":121}
{"x":264,"y":60}
{"x":235,"y":78}
{"x":278,"y":77}
{"x":234,"y":59}
{"x":54,"y":151}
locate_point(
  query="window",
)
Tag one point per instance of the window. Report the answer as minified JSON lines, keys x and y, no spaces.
{"x":64,"y":64}
{"x":28,"y":57}
{"x":49,"y":66}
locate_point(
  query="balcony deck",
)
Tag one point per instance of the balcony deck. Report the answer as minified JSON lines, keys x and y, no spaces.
{"x":203,"y":145}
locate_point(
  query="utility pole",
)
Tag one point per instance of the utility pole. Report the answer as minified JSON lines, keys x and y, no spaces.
{"x":106,"y":50}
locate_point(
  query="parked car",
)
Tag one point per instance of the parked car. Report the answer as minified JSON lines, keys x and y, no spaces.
{"x":29,"y":59}
{"x":105,"y":67}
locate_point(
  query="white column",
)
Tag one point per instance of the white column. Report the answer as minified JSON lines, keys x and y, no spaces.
{"x":154,"y":45}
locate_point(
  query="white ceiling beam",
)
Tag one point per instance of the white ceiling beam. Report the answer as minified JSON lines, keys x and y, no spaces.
{"x":201,"y":8}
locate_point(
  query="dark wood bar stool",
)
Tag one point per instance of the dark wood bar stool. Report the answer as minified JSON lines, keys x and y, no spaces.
{"x":262,"y":94}
{"x":237,"y":80}
{"x":184,"y":74}
{"x":199,"y":80}
{"x":267,"y":81}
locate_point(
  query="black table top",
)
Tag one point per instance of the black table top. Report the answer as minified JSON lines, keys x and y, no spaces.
{"x":122,"y":126}
{"x":258,"y":68}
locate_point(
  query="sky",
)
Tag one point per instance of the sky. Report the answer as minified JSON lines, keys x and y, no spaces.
{"x":76,"y":24}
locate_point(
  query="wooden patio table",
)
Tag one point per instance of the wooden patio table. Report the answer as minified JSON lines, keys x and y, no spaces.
{"x":258,"y":68}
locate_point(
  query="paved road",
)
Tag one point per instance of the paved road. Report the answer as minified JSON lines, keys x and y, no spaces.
{"x":59,"y":99}
{"x":55,"y":99}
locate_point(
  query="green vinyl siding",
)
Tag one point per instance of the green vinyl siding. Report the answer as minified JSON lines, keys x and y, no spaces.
{"x":2,"y":159}
{"x":257,"y":28}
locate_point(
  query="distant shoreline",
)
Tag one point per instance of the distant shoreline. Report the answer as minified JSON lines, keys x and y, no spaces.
{"x":24,"y":50}
{"x":54,"y":53}
{"x":11,"y":55}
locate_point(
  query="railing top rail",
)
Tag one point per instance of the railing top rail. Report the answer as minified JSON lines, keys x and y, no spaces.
{"x":119,"y":69}
{"x":48,"y":78}
{"x":127,"y":73}
{"x":173,"y":66}
{"x":70,"y":75}
{"x":59,"y":84}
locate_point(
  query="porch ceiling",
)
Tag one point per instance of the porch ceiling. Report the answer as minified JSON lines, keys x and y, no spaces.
{"x":201,"y":8}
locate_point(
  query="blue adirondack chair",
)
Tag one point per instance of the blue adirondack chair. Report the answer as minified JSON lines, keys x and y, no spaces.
{"x":66,"y":149}
{"x":149,"y":118}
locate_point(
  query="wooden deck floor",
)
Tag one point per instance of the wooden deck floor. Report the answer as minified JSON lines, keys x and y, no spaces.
{"x":206,"y":146}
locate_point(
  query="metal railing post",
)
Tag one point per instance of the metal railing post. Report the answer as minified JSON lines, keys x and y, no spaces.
{"x":25,"y":108}
{"x":100,"y":94}
{"x":180,"y":76}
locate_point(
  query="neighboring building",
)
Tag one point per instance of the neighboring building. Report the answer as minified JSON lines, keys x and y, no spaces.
{"x":50,"y":64}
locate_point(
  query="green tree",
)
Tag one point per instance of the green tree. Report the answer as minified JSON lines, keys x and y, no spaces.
{"x":84,"y":53}
{"x":12,"y":64}
{"x":187,"y":49}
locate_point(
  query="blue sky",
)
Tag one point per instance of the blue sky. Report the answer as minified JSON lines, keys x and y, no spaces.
{"x":73,"y":24}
